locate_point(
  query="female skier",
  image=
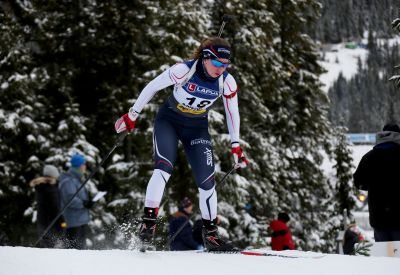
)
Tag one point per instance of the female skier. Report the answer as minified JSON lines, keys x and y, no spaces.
{"x":198,"y":83}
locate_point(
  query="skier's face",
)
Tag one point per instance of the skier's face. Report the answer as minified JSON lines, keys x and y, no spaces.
{"x":216,"y":67}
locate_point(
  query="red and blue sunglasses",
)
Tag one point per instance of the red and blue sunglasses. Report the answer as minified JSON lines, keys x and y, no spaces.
{"x":219,"y":64}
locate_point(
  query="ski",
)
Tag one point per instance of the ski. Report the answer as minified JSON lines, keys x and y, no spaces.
{"x":256,"y":253}
{"x":148,"y":247}
{"x":269,"y":254}
{"x":265,"y":254}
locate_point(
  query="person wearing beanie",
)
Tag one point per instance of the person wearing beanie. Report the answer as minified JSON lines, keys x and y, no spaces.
{"x":77,"y":161}
{"x":184,"y":240}
{"x":377,"y":173}
{"x":281,"y":236}
{"x":77,"y":214}
{"x":48,"y":206}
{"x":50,"y":171}
{"x":197,"y":84}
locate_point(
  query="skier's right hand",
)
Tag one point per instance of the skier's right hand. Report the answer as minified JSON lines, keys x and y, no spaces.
{"x":126,"y":122}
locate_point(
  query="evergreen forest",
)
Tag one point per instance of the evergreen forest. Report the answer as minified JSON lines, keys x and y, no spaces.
{"x":70,"y":69}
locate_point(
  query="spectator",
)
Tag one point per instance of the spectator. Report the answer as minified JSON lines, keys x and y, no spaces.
{"x":48,"y":206}
{"x":281,"y":235}
{"x":352,"y":235}
{"x":77,"y":213}
{"x":184,"y":240}
{"x":377,"y":173}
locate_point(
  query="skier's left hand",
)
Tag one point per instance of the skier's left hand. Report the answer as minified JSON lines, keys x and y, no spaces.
{"x":240,"y":159}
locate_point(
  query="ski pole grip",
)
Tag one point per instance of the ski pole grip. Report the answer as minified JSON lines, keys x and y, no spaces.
{"x":227,"y":17}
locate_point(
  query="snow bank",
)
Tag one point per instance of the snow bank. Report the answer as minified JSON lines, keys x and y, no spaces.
{"x":35,"y":261}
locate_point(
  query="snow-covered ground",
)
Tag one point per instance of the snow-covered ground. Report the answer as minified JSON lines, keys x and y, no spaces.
{"x":35,"y":261}
{"x":341,"y":60}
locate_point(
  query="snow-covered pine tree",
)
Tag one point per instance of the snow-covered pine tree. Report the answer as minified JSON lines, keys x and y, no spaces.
{"x":24,"y":131}
{"x":302,"y":127}
{"x":53,"y":43}
{"x":284,"y":124}
{"x":346,"y":192}
{"x":344,"y":198}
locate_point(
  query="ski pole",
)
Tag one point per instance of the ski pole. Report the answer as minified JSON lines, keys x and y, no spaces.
{"x":117,"y":143}
{"x":220,"y":183}
{"x":225,"y":18}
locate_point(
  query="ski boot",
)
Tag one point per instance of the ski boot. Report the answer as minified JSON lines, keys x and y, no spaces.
{"x":147,"y":228}
{"x":212,"y":240}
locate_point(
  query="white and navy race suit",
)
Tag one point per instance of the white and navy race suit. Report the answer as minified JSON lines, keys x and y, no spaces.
{"x":184,"y":117}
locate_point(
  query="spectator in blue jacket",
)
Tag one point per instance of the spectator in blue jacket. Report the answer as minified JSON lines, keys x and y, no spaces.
{"x":184,"y":240}
{"x":77,"y":213}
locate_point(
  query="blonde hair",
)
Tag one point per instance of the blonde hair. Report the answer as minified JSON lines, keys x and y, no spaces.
{"x":209,"y":41}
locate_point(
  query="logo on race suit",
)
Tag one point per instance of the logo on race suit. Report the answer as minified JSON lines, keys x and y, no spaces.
{"x":192,"y":87}
{"x":209,"y":157}
{"x":200,"y":141}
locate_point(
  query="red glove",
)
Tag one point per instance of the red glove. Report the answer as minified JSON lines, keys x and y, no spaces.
{"x":239,"y":157}
{"x":126,"y":122}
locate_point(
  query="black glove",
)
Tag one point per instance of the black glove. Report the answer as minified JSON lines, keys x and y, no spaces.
{"x":88,"y":204}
